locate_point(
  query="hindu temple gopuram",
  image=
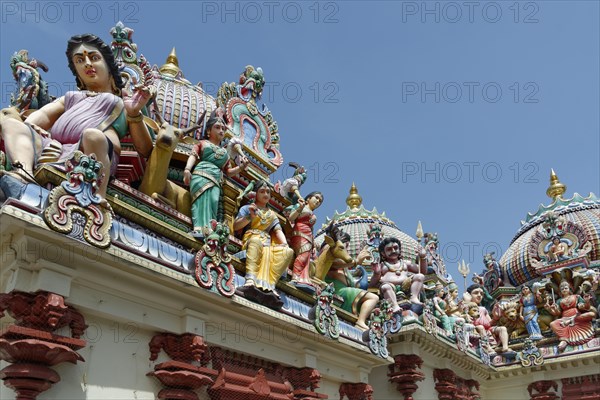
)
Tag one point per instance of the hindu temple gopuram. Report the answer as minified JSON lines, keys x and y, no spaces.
{"x":147,"y":253}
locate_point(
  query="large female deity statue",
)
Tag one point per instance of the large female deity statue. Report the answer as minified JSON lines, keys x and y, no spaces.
{"x":209,"y":160}
{"x":93,"y":119}
{"x":267,"y":252}
{"x":574,"y":325}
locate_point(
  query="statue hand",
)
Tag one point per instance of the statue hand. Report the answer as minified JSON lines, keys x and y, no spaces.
{"x":187,"y":177}
{"x":363,"y":255}
{"x":301,"y":203}
{"x":243,"y":162}
{"x":136,"y":101}
{"x":252,"y":209}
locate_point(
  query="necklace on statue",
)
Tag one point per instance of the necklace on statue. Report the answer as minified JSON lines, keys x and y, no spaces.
{"x":219,"y":151}
{"x":393,"y":268}
{"x":264,"y":215}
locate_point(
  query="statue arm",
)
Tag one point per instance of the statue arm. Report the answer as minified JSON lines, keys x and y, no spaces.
{"x":46,"y":116}
{"x":133,"y":104}
{"x":140,"y":137}
{"x":584,"y":303}
{"x":189,"y":165}
{"x":377,"y":272}
{"x":422,"y":266}
{"x":232,"y":171}
{"x":243,"y":218}
{"x":297,"y":211}
{"x":278,"y":236}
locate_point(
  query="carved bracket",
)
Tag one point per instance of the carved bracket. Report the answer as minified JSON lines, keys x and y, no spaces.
{"x":356,"y":391}
{"x":304,"y":381}
{"x":180,"y":377}
{"x":452,"y":387}
{"x":42,"y":311}
{"x":30,"y":344}
{"x":581,"y":387}
{"x":542,"y":389}
{"x":405,"y":374}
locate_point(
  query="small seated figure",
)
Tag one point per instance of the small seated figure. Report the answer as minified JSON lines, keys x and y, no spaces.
{"x":267,"y":252}
{"x":440,"y":307}
{"x":574,"y":325}
{"x":356,"y":301}
{"x":394,"y":275}
{"x":303,"y":219}
{"x":558,"y":251}
{"x":453,"y":307}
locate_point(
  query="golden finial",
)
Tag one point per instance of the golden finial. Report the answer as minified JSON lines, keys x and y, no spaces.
{"x":171,"y":66}
{"x":419,"y":233}
{"x":354,"y":200}
{"x":556,"y":188}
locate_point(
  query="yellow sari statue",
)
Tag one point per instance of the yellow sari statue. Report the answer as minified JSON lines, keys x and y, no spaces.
{"x":267,"y":253}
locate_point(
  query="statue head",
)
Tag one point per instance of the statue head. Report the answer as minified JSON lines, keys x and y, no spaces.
{"x":263,"y":192}
{"x":390,"y":248}
{"x":314,"y":200}
{"x":510,"y":310}
{"x":94,"y":41}
{"x":565,"y":288}
{"x":473,"y":310}
{"x":217,"y":117}
{"x":476,"y":292}
{"x":440,"y":290}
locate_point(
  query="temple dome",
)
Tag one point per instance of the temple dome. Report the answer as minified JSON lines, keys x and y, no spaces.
{"x":581,"y":215}
{"x":179,"y":102}
{"x":356,"y":220}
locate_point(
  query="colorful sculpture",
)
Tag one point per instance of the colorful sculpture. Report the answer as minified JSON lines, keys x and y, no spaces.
{"x":492,"y":277}
{"x":79,"y":194}
{"x":290,"y":188}
{"x":32,"y":91}
{"x":323,"y":314}
{"x":395,"y":276}
{"x":558,"y":251}
{"x":529,"y":313}
{"x":482,"y":319}
{"x":209,"y":160}
{"x":93,"y":119}
{"x":574,"y":325}
{"x":507,"y":315}
{"x":440,"y":307}
{"x":213,"y":268}
{"x":302,"y":218}
{"x":434,"y":259}
{"x":267,"y":252}
{"x":155,"y":183}
{"x":453,"y":306}
{"x":357,"y":301}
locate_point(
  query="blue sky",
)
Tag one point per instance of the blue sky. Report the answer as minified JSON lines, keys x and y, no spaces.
{"x":451,"y":113}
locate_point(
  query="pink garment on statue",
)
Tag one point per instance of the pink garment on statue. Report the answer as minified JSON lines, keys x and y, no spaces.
{"x":83,"y":110}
